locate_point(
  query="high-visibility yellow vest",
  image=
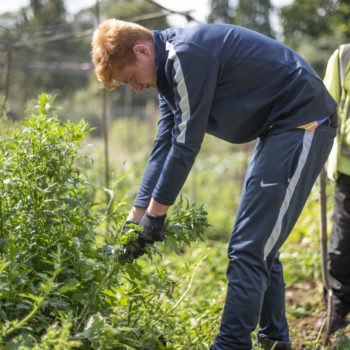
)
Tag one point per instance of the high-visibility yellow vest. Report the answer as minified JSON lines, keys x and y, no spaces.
{"x":337,"y":81}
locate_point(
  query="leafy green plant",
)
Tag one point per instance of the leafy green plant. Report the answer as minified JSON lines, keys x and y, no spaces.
{"x":61,"y":285}
{"x":45,"y":213}
{"x":343,"y":342}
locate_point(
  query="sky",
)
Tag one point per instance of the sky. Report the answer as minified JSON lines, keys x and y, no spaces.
{"x":200,"y":7}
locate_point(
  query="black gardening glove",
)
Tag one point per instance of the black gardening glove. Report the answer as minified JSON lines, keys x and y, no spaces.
{"x":133,"y":249}
{"x":152,"y":229}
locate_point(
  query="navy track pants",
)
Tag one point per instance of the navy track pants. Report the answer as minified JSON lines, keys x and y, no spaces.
{"x":279,"y":179}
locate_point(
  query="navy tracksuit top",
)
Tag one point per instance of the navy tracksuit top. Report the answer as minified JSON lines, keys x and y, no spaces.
{"x":230,"y":82}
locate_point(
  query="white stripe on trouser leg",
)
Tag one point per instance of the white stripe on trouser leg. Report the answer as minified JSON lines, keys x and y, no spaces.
{"x":307,"y":140}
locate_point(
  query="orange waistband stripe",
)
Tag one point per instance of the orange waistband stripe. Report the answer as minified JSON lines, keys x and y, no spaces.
{"x":309,"y":126}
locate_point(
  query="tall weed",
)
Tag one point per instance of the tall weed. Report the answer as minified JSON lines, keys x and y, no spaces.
{"x":61,"y":285}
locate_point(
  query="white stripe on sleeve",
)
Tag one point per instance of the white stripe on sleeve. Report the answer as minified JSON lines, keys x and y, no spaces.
{"x":182,"y":91}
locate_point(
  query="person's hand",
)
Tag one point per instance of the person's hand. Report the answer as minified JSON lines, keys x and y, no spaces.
{"x":152,"y":231}
{"x":133,"y":249}
{"x":152,"y":228}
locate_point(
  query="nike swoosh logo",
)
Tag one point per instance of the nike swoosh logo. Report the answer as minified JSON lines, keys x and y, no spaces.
{"x":262,"y":184}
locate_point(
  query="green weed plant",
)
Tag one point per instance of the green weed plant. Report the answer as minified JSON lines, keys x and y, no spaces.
{"x":61,"y":285}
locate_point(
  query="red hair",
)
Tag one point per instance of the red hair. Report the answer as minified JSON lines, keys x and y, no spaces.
{"x":112,"y":45}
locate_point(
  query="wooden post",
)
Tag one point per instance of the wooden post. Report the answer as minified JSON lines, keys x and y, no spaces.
{"x":150,"y":121}
{"x":104,"y":123}
{"x":25,"y":86}
{"x":128,"y":112}
{"x":7,"y":71}
{"x":323,"y":240}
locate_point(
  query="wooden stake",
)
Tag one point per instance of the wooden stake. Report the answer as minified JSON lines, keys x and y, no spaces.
{"x":323,"y":240}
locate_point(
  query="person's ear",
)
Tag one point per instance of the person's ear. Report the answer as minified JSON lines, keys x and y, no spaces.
{"x":141,"y":49}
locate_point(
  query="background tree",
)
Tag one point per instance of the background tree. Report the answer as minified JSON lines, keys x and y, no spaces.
{"x":253,"y":14}
{"x":219,"y":12}
{"x":46,"y":12}
{"x":326,"y":26}
{"x":38,"y":67}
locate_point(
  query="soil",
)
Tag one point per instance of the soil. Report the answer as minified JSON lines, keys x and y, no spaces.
{"x":304,"y":307}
